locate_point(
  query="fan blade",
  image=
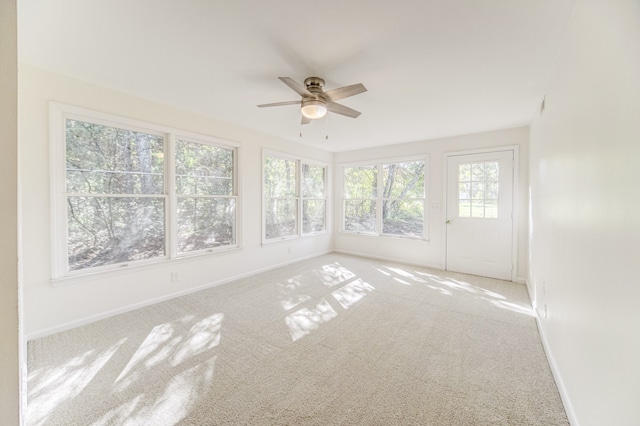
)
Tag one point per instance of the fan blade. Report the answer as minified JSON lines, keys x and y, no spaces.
{"x":300,"y":89}
{"x":344,"y":92}
{"x":342,"y":110}
{"x":280,"y":104}
{"x":305,"y":120}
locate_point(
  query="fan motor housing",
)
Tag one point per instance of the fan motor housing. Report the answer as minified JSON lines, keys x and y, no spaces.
{"x":314,"y":84}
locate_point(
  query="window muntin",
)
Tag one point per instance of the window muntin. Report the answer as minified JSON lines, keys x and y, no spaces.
{"x":478,"y":191}
{"x":295,"y":199}
{"x":204,"y":184}
{"x":113,"y":197}
{"x":385,"y":198}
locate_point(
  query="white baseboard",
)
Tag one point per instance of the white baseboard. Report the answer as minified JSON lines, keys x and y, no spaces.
{"x":555,"y":371}
{"x":106,"y":314}
{"x":390,"y":259}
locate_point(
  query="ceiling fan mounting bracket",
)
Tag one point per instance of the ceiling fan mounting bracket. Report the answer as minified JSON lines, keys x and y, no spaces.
{"x":314,"y":84}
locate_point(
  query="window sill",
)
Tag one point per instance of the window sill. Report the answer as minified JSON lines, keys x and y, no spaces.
{"x":395,"y":237}
{"x":81,"y":277}
{"x":292,"y":238}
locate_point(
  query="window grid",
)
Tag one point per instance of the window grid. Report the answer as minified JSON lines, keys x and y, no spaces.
{"x":478,"y":190}
{"x":114,"y":203}
{"x":396,"y":202}
{"x":298,"y":208}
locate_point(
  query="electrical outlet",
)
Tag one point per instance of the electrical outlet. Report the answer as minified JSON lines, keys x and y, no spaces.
{"x":288,"y":250}
{"x":175,"y":277}
{"x":545,"y":311}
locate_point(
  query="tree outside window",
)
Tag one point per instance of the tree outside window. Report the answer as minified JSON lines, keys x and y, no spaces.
{"x":385,"y":198}
{"x":114,"y":199}
{"x":295,"y":197}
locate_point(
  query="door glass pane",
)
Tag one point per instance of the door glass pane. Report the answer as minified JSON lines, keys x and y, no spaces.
{"x":478,"y":192}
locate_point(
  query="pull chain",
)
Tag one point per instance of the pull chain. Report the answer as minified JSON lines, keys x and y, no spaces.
{"x":326,"y":124}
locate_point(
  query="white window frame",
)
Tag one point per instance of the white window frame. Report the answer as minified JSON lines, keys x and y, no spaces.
{"x":299,"y":161}
{"x":379,"y":164}
{"x":59,"y":113}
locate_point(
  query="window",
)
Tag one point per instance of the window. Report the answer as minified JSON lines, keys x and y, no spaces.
{"x":117,"y":202}
{"x":386,"y":198}
{"x":478,"y":190}
{"x":206,"y":203}
{"x":295,"y":197}
{"x":313,"y":198}
{"x":360,"y":193}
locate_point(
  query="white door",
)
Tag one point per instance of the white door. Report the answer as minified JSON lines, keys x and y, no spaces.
{"x":479,"y":214}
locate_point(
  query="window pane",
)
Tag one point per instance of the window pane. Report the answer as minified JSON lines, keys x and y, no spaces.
{"x":477,"y":208}
{"x":203,"y":169}
{"x":280,"y":218}
{"x":360,"y":215}
{"x":313,"y":213}
{"x":492,"y":191}
{"x":107,"y":160}
{"x":313,"y":181}
{"x":279,"y":178}
{"x":491,"y":209}
{"x":482,"y":190}
{"x":477,"y":172}
{"x":403,"y":180}
{"x":403,"y":217}
{"x":360,"y":182}
{"x":464,"y":172}
{"x":491,"y":170}
{"x":464,"y":208}
{"x":109,"y":230}
{"x":205,"y":223}
{"x":477,"y":190}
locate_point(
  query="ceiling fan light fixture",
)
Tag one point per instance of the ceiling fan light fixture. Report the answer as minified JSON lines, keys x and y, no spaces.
{"x":314,"y":109}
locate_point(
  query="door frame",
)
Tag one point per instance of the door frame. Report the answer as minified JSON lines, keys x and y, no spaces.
{"x":515,"y":197}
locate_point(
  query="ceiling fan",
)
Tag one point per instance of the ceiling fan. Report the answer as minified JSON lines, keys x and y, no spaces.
{"x":316,"y":102}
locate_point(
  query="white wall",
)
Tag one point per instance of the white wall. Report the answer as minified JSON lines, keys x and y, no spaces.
{"x":431,"y":253}
{"x":49,"y":309}
{"x":10,"y":341}
{"x":585,"y":243}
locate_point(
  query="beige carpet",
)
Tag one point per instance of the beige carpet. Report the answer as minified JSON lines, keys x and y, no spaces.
{"x":336,"y":340}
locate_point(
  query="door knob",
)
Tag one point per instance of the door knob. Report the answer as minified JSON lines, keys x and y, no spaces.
{"x":448,"y":221}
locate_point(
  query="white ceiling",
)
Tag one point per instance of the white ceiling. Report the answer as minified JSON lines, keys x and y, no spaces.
{"x":433,"y":68}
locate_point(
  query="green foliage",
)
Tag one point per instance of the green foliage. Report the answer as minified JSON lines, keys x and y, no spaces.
{"x":402,"y":198}
{"x":108,"y":160}
{"x":116,"y":206}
